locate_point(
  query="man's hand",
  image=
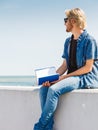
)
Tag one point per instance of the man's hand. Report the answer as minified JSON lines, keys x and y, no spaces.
{"x":46,"y":84}
{"x":60,"y":78}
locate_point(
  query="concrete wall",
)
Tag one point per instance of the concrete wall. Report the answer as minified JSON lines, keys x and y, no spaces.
{"x":20,"y":109}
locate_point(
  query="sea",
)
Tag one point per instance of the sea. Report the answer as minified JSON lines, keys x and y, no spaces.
{"x":18,"y":80}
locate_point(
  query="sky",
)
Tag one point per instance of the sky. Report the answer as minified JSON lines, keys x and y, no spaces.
{"x":32,"y":33}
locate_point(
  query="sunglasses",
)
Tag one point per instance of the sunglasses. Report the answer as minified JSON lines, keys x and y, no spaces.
{"x":65,"y":20}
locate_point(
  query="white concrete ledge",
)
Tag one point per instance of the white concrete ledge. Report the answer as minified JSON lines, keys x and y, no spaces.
{"x":20,"y":109}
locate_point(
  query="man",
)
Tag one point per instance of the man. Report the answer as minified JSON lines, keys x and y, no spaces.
{"x":80,"y":62}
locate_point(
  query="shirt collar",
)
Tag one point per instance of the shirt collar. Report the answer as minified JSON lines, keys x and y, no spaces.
{"x":82,"y":36}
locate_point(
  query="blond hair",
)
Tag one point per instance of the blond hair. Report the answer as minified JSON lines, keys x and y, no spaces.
{"x":78,"y":15}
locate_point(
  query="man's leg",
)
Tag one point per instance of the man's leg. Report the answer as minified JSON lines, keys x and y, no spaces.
{"x":53,"y":94}
{"x":43,"y":96}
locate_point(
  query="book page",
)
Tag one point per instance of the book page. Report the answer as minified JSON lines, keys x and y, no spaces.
{"x":45,"y":72}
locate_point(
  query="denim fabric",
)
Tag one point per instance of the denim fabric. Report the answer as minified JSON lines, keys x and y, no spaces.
{"x":49,"y":99}
{"x":43,"y":96}
{"x":87,"y":48}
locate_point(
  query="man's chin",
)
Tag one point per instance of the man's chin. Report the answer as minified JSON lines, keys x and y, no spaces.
{"x":67,"y":30}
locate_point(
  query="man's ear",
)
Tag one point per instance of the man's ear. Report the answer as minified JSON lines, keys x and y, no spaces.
{"x":73,"y":21}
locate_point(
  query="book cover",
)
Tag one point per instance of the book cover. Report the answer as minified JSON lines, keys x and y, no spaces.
{"x":46,"y":74}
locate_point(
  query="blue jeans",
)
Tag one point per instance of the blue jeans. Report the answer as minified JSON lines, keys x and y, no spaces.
{"x":49,"y":99}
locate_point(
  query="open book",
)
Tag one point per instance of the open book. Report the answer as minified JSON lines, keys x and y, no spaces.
{"x":46,"y":74}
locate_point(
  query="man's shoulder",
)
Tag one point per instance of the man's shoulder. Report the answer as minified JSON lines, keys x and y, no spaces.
{"x":90,"y":37}
{"x":89,"y":40}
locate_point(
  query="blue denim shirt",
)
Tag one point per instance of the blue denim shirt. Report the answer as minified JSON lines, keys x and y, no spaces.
{"x":87,"y":48}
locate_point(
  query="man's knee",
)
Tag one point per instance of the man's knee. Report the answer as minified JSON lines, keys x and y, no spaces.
{"x":53,"y":90}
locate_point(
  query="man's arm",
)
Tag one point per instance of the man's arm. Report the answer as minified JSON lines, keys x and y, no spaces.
{"x":62,"y":69}
{"x":83,"y":70}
